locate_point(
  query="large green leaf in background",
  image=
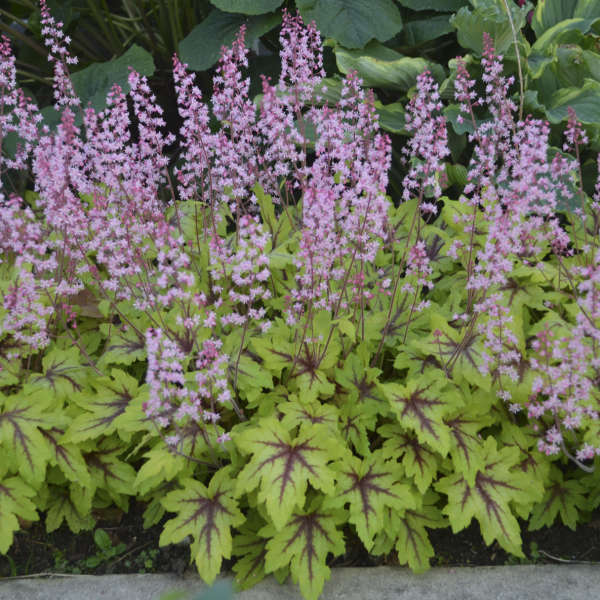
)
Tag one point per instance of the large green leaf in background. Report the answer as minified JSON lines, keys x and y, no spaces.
{"x":487,"y":16}
{"x":427,"y":29}
{"x":439,"y":5}
{"x":353,"y":23}
{"x":551,"y":12}
{"x":585,"y":101}
{"x":93,"y":83}
{"x":202,"y":47}
{"x":382,"y":67}
{"x":247,"y":7}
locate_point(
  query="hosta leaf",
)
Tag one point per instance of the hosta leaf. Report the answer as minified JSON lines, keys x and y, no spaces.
{"x":585,"y":101}
{"x":202,"y":46}
{"x":380,"y":66}
{"x":549,"y":13}
{"x":439,"y":5}
{"x":421,"y":407}
{"x":419,"y":461}
{"x":206,"y":514}
{"x":103,"y":407}
{"x":304,"y":544}
{"x":488,"y":500}
{"x":15,"y":501}
{"x":24,"y":448}
{"x":353,"y":23}
{"x":281,"y":467}
{"x":93,"y":83}
{"x":63,"y":373}
{"x":369,"y":485}
{"x":247,"y":7}
{"x":564,"y":498}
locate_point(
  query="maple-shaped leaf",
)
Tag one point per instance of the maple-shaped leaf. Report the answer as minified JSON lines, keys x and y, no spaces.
{"x":466,"y":449}
{"x":308,"y":414}
{"x":360,"y":381}
{"x":109,"y":473}
{"x":61,"y":508}
{"x":461,"y":344}
{"x":369,"y":486}
{"x":532,"y":463}
{"x":419,"y":461}
{"x":281,"y":467}
{"x":63,"y":373}
{"x":489,"y":500}
{"x":564,"y":498}
{"x":161,"y":465}
{"x":422,"y":404}
{"x":249,"y":569}
{"x":304,"y":544}
{"x":102,"y":407}
{"x":15,"y":502}
{"x":22,"y":417}
{"x":252,"y":378}
{"x":355,"y":421}
{"x":67,"y":457}
{"x":125,"y":344}
{"x":207,"y":514}
{"x":406,"y":532}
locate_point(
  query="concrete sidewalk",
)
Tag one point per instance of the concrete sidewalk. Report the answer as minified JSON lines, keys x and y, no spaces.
{"x":523,"y":582}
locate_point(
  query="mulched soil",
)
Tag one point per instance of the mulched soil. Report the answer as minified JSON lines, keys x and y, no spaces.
{"x":34,"y":551}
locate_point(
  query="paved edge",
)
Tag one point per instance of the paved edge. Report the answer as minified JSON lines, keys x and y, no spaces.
{"x":521,"y":582}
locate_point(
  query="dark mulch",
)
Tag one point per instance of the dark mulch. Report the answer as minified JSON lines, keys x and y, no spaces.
{"x":34,"y":551}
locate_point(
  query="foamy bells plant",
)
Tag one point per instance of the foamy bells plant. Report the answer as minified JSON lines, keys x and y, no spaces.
{"x":263,"y":344}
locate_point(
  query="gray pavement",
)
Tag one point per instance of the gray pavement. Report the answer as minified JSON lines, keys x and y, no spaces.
{"x":523,"y":582}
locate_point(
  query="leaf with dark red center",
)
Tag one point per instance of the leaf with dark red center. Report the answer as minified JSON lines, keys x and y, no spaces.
{"x":23,"y":447}
{"x":63,"y":373}
{"x":564,"y":498}
{"x":61,"y":508}
{"x":124,"y":344}
{"x":207,"y":515}
{"x":304,"y":544}
{"x":419,"y":461}
{"x":282,"y":467}
{"x":421,"y":405}
{"x":103,"y":407}
{"x":67,"y":457}
{"x":489,"y":499}
{"x":307,"y":414}
{"x":369,"y":486}
{"x":15,"y":502}
{"x":405,"y":531}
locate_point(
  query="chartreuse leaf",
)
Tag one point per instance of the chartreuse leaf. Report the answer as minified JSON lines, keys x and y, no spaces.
{"x":353,"y":23}
{"x":307,"y":414}
{"x":251,"y":548}
{"x":61,"y":508}
{"x":161,"y":465}
{"x":15,"y":502}
{"x":421,"y":407}
{"x":63,"y":373}
{"x":207,"y":514}
{"x":67,"y":457}
{"x":23,"y":447}
{"x":564,"y":498}
{"x":109,"y":473}
{"x":405,"y":531}
{"x":304,"y":543}
{"x":419,"y":461}
{"x":282,"y":466}
{"x":124,"y":344}
{"x":489,"y":500}
{"x":102,"y":408}
{"x":369,"y":485}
